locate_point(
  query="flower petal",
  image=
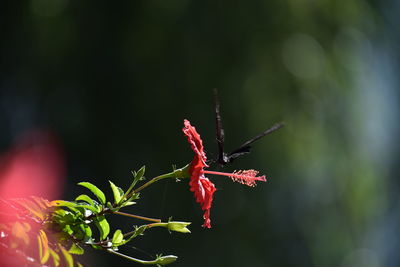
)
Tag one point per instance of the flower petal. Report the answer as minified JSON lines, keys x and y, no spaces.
{"x":203,"y":190}
{"x":195,"y":142}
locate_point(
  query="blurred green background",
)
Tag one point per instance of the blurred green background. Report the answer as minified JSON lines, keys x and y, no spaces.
{"x":114,"y":81}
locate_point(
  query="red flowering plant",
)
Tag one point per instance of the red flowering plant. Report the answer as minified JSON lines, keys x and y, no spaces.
{"x":38,"y":232}
{"x":201,"y":186}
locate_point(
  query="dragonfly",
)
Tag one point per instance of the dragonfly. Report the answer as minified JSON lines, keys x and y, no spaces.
{"x":226,"y":158}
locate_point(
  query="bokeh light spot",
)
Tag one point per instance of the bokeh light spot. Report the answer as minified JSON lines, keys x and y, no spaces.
{"x":48,"y":8}
{"x":303,"y":56}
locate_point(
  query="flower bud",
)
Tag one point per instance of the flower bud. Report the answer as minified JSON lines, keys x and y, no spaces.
{"x":164,"y":260}
{"x":178,"y":226}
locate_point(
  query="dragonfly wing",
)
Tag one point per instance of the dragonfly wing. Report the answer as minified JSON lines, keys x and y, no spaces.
{"x":238,"y":153}
{"x":220,"y":134}
{"x":245,"y":148}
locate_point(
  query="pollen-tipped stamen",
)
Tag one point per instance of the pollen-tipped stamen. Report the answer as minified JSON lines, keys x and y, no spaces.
{"x":247,"y":177}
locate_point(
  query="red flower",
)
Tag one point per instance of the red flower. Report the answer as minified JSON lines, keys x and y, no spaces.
{"x":203,"y":188}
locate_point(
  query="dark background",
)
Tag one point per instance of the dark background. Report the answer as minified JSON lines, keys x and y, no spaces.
{"x":114,"y":81}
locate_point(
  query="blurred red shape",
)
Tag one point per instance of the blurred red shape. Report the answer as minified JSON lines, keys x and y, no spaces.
{"x":34,"y":166}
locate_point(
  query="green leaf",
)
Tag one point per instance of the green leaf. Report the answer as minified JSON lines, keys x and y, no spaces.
{"x":138,"y":231}
{"x":96,"y":246}
{"x":95,"y":190}
{"x":67,"y":218}
{"x":85,"y":198}
{"x":20,"y":231}
{"x":117,"y":237}
{"x":140,"y":173}
{"x":117,"y":192}
{"x":137,"y":176}
{"x":63,"y":203}
{"x":32,"y":207}
{"x":81,"y":231}
{"x":76,"y":249}
{"x":67,"y":204}
{"x":67,"y":229}
{"x":87,"y":230}
{"x":41,"y":202}
{"x":134,"y":196}
{"x":121,"y":192}
{"x":59,"y":213}
{"x":56,"y":258}
{"x":93,"y":209}
{"x":43,"y":243}
{"x":103,"y":226}
{"x":69,"y":260}
{"x":128,"y":203}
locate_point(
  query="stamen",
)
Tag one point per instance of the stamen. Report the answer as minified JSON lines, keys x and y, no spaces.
{"x":247,"y":177}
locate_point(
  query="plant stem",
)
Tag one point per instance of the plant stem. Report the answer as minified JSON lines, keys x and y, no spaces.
{"x":178,"y":173}
{"x":131,"y":258}
{"x":155,"y":179}
{"x":136,"y":216}
{"x":150,"y":225}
